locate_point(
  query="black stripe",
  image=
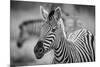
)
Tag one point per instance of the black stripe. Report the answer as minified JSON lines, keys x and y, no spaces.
{"x":49,"y":40}
{"x":46,"y":42}
{"x":59,"y":49}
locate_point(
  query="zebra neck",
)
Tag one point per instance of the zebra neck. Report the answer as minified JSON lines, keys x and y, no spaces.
{"x":64,"y":52}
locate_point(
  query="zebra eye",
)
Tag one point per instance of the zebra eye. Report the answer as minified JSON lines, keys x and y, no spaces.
{"x":53,"y":29}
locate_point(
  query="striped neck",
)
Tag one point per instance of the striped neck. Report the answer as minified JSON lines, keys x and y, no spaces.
{"x":64,"y":52}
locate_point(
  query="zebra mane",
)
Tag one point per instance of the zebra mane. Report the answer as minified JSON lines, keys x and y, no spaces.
{"x":63,"y":27}
{"x":51,"y":14}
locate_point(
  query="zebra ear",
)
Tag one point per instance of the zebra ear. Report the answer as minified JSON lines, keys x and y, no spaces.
{"x":43,"y":12}
{"x":57,"y":14}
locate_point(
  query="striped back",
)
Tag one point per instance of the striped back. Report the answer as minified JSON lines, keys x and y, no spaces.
{"x":84,"y":40}
{"x":79,"y":47}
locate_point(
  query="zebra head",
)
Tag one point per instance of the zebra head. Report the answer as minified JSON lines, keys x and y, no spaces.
{"x":49,"y":31}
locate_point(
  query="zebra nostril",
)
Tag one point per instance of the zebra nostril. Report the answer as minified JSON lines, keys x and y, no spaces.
{"x":38,"y":47}
{"x":40,"y":50}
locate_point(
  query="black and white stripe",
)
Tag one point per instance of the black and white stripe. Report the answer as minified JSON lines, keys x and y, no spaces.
{"x":49,"y":40}
{"x":79,"y":49}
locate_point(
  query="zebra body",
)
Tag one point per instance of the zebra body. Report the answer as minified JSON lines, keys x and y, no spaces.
{"x":78,"y":47}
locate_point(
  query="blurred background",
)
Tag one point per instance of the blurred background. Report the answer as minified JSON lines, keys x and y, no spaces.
{"x":28,"y":15}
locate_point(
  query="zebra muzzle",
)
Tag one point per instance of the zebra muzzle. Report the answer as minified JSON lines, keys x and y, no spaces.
{"x":39,"y":50}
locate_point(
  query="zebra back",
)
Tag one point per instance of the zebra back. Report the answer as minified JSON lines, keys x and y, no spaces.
{"x":84,"y":40}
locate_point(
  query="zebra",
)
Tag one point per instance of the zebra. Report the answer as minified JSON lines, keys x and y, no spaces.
{"x":78,"y":47}
{"x":28,"y":29}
